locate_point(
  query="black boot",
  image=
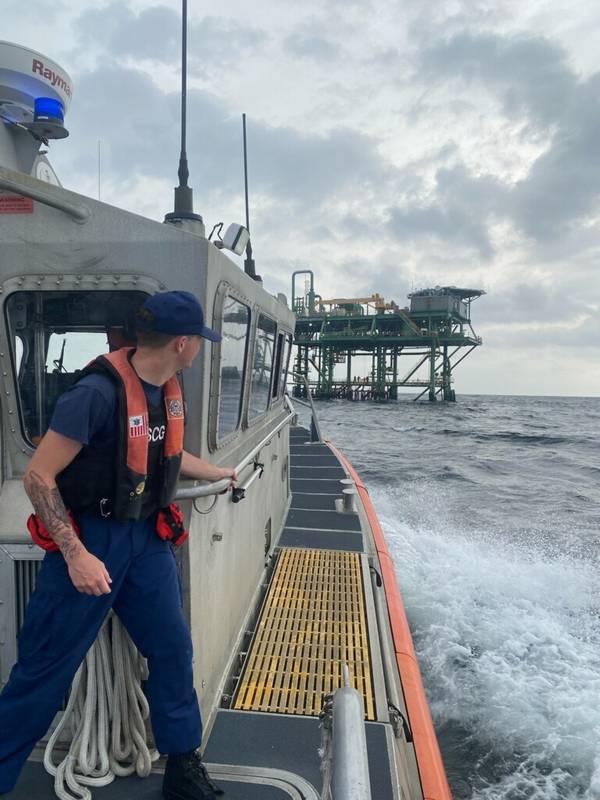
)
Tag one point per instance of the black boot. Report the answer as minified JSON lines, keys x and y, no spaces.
{"x":186,"y":778}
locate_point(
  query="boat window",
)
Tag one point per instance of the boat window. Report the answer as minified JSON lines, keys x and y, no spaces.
{"x":236,"y":321}
{"x":284,"y":342}
{"x":262,"y":366}
{"x":275,"y":391}
{"x":54,"y":335}
{"x":285,"y":360}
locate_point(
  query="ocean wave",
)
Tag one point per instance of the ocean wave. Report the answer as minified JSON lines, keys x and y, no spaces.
{"x":527,"y":438}
{"x":409,"y":428}
{"x":508,"y":436}
{"x":448,"y":473}
{"x":509,"y":643}
{"x":492,"y":520}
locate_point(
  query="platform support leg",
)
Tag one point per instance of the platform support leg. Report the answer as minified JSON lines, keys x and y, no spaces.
{"x":448,"y":392}
{"x":432,"y":397}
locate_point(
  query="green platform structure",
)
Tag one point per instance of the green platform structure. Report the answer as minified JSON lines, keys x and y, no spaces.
{"x":331,"y":335}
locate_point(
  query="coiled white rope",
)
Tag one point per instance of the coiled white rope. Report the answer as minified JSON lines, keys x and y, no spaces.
{"x":106,"y":712}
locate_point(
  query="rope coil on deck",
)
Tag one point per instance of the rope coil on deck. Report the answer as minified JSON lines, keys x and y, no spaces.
{"x":106,"y":713}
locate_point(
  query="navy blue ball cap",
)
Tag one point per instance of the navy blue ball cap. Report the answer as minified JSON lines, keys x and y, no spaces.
{"x":177,"y":313}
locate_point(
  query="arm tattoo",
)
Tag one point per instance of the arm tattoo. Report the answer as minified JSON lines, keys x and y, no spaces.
{"x":49,"y":507}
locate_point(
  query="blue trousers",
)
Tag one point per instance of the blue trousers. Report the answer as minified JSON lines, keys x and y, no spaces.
{"x":61,"y":624}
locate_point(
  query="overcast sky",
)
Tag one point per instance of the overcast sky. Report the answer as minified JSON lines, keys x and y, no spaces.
{"x":392,"y":145}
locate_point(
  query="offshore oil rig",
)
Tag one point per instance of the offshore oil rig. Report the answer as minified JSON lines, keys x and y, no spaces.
{"x":335,"y":339}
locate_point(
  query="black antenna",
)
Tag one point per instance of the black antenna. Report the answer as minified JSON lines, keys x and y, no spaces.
{"x":249,"y":265}
{"x":246,"y":173}
{"x":184,"y":204}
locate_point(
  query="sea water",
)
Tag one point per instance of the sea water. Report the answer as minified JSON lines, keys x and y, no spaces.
{"x":491,"y":508}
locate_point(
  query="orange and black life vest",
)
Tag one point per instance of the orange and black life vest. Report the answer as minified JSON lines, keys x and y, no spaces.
{"x":136,"y":477}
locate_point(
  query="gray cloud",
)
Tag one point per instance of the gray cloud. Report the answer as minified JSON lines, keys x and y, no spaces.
{"x":362,"y":227}
{"x":531,"y":74}
{"x":155,"y":33}
{"x":448,"y":224}
{"x":51,"y":9}
{"x":305,"y":44}
{"x":117,"y":29}
{"x":303,"y":170}
{"x":387,"y":278}
{"x":324,"y":36}
{"x":457,"y":212}
{"x":563,"y":184}
{"x":480,"y":195}
{"x":434,"y":20}
{"x":533,"y":301}
{"x":585,"y":336}
{"x":534,"y":81}
{"x":313,"y":168}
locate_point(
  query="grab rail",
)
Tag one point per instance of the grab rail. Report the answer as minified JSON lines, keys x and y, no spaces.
{"x":315,"y":429}
{"x":192,"y":492}
{"x":77,"y":211}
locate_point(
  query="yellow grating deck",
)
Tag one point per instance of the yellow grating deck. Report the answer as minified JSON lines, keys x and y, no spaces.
{"x":312,"y":622}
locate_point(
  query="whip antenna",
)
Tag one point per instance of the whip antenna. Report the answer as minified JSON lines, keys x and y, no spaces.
{"x":249,"y":264}
{"x":246,"y":174}
{"x":184,"y":204}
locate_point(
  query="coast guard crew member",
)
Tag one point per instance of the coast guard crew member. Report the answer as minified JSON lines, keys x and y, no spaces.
{"x":112,"y":456}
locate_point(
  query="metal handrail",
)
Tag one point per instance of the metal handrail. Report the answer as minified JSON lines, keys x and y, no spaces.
{"x":208,"y":489}
{"x":315,"y":419}
{"x":9,"y":182}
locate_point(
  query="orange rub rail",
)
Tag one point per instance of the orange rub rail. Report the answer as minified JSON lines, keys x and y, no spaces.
{"x":431,"y":768}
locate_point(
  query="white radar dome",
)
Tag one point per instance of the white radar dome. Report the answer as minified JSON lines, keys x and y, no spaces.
{"x":34,"y":91}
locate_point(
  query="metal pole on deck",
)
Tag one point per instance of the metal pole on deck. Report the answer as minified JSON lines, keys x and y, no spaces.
{"x":350,"y":779}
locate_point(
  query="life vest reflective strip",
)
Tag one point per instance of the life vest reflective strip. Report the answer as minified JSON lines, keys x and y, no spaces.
{"x":137,"y":412}
{"x":173,"y":444}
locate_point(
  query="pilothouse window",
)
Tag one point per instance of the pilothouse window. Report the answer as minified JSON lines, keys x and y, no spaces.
{"x":54,"y":335}
{"x":262,"y":366}
{"x":236,"y":319}
{"x":285,"y":360}
{"x":276,"y":381}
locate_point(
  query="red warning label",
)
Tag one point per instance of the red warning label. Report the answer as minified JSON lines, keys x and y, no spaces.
{"x":15,"y":204}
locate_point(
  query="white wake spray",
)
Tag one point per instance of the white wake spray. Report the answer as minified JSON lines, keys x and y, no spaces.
{"x":508,"y":637}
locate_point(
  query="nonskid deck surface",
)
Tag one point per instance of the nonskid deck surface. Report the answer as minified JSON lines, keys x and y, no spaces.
{"x":315,"y":475}
{"x":36,"y":784}
{"x":291,"y":744}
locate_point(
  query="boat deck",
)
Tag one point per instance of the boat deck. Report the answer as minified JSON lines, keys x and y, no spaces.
{"x":316,"y":615}
{"x":312,"y":622}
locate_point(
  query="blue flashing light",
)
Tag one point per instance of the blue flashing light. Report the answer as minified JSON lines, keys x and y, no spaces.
{"x":48,"y":108}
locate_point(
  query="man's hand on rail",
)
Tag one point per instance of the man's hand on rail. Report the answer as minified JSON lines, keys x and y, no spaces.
{"x":229,"y":472}
{"x":194,"y":467}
